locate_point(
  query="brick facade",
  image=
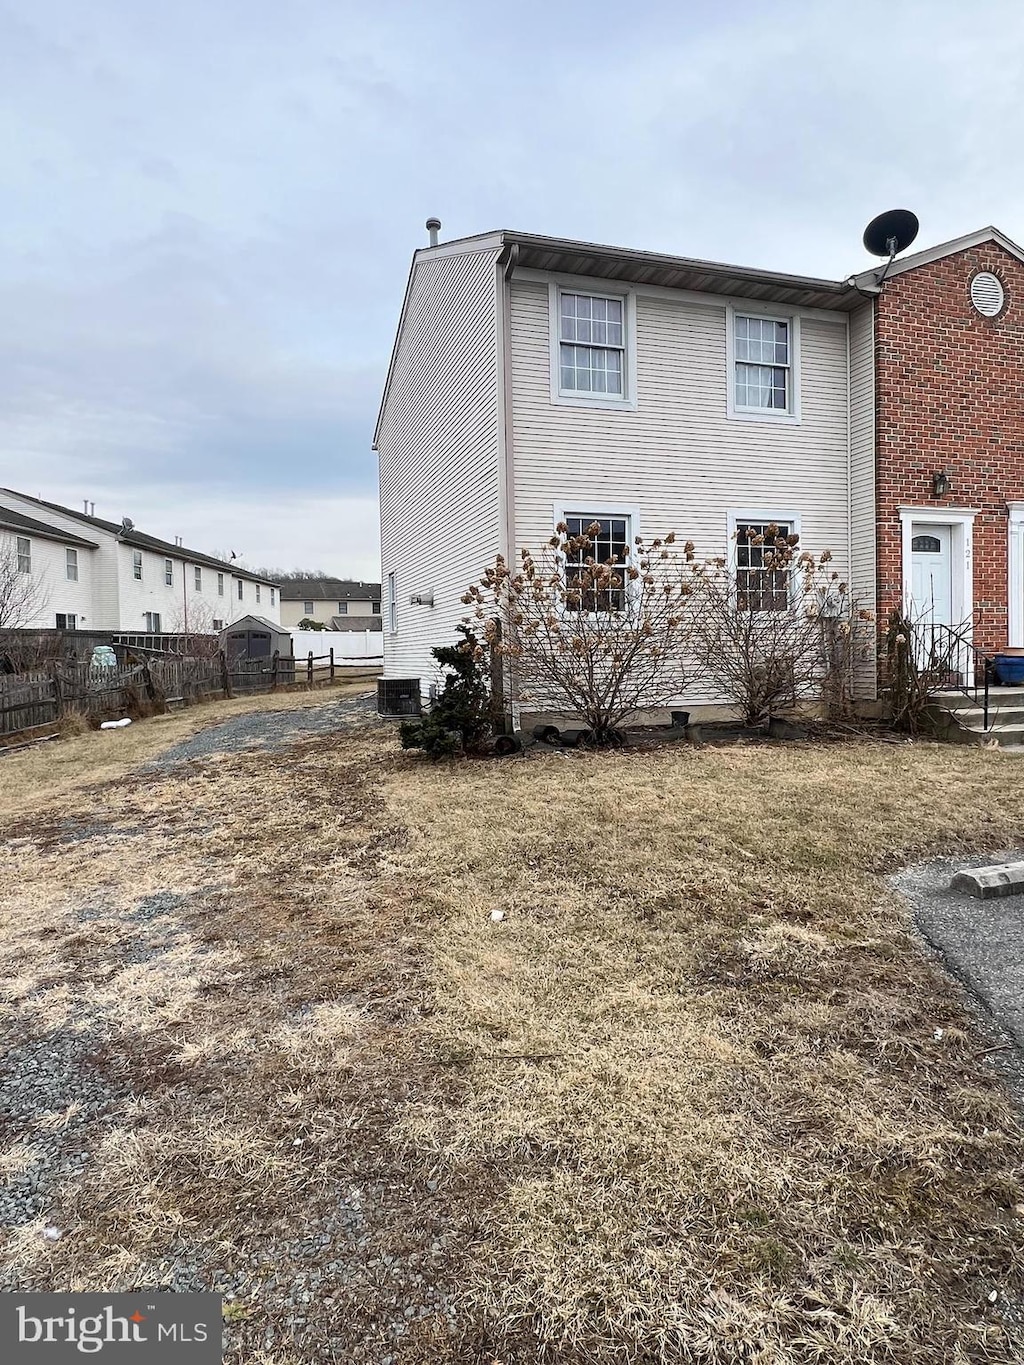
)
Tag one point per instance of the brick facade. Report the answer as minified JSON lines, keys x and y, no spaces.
{"x":950,"y":397}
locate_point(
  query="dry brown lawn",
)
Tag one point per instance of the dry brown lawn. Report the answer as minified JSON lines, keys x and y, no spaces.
{"x":699,"y":1096}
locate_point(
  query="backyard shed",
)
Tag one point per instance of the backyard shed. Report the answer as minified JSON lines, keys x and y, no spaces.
{"x":254,"y":637}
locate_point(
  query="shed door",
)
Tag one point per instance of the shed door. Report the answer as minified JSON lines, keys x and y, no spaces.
{"x":931,"y":582}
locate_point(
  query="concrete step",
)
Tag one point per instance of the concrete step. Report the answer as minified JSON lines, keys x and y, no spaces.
{"x":998,"y":697}
{"x":1009,"y":716}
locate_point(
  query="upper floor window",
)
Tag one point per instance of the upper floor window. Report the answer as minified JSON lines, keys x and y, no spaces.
{"x":257,"y":592}
{"x":375,"y":608}
{"x":342,"y":608}
{"x":591,"y":345}
{"x":71,"y":565}
{"x":199,"y":579}
{"x":764,"y":557}
{"x":240,"y":590}
{"x":763,"y":379}
{"x":220,"y":585}
{"x":137,"y":565}
{"x":307,"y":608}
{"x":169,"y":572}
{"x":24,"y":555}
{"x":273,"y":597}
{"x":608,"y":541}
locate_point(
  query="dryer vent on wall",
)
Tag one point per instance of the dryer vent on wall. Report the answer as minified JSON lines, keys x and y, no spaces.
{"x":398,"y":697}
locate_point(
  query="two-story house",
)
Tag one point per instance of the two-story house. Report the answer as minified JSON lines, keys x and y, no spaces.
{"x":334,"y":603}
{"x":92,"y":574}
{"x":535,"y":380}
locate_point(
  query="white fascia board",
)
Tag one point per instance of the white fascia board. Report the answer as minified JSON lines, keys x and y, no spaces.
{"x":868,"y":278}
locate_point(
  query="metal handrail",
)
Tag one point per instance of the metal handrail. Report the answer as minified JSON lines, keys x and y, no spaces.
{"x":956,"y":646}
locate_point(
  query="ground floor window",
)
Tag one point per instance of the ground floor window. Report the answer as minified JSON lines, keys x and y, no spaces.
{"x":152,"y":623}
{"x":763,"y":583}
{"x":67,"y":620}
{"x":609,"y":538}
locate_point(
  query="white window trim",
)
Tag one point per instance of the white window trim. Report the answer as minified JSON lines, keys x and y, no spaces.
{"x":392,"y":604}
{"x":20,"y":554}
{"x":137,"y":564}
{"x":69,"y":564}
{"x":627,"y":403}
{"x":789,"y":418}
{"x":220,"y":585}
{"x":168,"y":573}
{"x":1015,"y":587}
{"x":960,"y":520}
{"x":762,"y":516}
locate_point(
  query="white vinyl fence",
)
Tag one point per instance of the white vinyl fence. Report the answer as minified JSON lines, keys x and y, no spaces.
{"x":347,"y":644}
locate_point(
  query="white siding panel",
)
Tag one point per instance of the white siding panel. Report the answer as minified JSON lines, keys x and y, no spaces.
{"x":862,"y":473}
{"x":438,"y":445}
{"x":679,"y":459}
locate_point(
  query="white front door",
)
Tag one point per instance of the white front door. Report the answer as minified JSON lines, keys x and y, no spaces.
{"x":931,"y":575}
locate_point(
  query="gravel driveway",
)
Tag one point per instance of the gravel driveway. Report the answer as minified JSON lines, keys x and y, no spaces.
{"x":272,"y":729}
{"x":199,"y":1005}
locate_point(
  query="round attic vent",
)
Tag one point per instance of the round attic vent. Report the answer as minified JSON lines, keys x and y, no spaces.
{"x":987,"y":294}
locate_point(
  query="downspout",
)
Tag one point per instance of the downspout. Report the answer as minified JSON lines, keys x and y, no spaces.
{"x":849,"y":463}
{"x":506,"y":262}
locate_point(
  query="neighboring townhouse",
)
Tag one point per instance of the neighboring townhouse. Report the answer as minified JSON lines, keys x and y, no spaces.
{"x":535,"y":380}
{"x":334,"y":603}
{"x":949,"y":398}
{"x":94,"y":574}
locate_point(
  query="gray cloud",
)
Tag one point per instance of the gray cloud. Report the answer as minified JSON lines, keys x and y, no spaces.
{"x":210,"y":208}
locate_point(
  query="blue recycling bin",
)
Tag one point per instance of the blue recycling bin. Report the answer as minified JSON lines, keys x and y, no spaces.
{"x":1009,"y":669}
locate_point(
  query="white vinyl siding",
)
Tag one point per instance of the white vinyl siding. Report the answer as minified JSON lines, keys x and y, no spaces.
{"x":678,"y":457}
{"x":862,"y":478}
{"x":440,"y":501}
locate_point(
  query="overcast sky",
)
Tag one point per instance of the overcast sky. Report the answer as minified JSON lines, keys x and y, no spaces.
{"x":209,"y":206}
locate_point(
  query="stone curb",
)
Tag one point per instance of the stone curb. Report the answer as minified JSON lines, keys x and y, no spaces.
{"x":1003,"y":879}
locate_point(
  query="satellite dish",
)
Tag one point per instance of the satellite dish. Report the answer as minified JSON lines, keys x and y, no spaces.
{"x":127,"y":525}
{"x":891,"y":232}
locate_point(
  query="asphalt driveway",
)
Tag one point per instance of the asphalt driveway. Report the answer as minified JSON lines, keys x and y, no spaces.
{"x":981,"y":943}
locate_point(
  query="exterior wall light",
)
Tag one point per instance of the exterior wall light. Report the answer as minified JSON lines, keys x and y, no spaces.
{"x":940,"y":484}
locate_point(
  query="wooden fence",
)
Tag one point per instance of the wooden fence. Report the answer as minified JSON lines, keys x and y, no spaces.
{"x":40,"y":698}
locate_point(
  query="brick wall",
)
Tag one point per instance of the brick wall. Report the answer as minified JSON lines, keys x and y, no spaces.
{"x":950,"y":396}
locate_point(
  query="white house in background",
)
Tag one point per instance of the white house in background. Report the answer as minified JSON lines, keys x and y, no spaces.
{"x":535,"y":380}
{"x":104,"y":575}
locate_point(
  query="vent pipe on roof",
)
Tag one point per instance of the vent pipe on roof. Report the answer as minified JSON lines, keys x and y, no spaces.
{"x":92,"y":509}
{"x":85,"y":506}
{"x":433,"y":227}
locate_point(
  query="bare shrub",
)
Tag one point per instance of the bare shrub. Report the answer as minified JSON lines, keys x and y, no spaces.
{"x":920,"y":660}
{"x":778,"y":631}
{"x":590,"y":626}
